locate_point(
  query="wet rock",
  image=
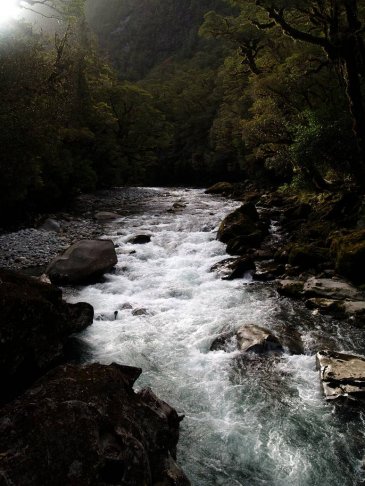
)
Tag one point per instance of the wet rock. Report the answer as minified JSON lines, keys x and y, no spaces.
{"x":338,"y":308}
{"x":331,"y":289}
{"x":179,"y":205}
{"x":291,"y":339}
{"x":220,"y":343}
{"x":232,"y":268}
{"x":342,"y":375}
{"x":51,"y":224}
{"x":220,"y":188}
{"x":106,"y":216}
{"x":268,"y":271}
{"x":35,"y":324}
{"x":257,"y":339}
{"x":291,"y":288}
{"x":87,"y":426}
{"x":140,"y":312}
{"x":83,"y":262}
{"x":140,"y":239}
{"x":125,"y":306}
{"x":325,"y":306}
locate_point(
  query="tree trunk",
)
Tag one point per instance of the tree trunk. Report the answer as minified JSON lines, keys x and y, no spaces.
{"x":352,"y":80}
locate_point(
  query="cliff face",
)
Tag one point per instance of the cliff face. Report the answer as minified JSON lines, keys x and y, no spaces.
{"x":139,"y":34}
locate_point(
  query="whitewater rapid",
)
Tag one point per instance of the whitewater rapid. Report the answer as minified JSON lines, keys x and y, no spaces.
{"x":258,"y":421}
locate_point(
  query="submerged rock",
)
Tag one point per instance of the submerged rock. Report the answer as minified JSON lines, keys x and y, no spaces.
{"x":342,"y":375}
{"x":140,"y":239}
{"x":257,"y":339}
{"x":87,"y":426}
{"x":35,"y":324}
{"x":83,"y":262}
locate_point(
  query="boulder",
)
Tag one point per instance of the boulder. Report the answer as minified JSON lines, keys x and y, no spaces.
{"x":239,"y":245}
{"x":328,"y":288}
{"x":220,"y":188}
{"x":106,"y":216}
{"x":342,"y":375}
{"x":232,"y":268}
{"x":85,"y":425}
{"x":349,"y":252}
{"x":291,"y":288}
{"x":140,"y":239}
{"x":83,"y":262}
{"x":242,"y":222}
{"x":257,"y":339}
{"x":140,"y":312}
{"x":325,"y":306}
{"x":35,"y":324}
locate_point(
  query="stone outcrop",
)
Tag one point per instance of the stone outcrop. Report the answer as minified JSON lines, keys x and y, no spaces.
{"x":331,"y":289}
{"x":83,"y":262}
{"x":257,"y":339}
{"x":342,"y":375}
{"x":34,"y":326}
{"x":87,"y":426}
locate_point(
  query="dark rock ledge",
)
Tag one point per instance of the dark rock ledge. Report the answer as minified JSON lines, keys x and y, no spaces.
{"x":87,"y":426}
{"x":35,"y":324}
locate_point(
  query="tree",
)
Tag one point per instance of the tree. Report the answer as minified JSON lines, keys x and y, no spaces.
{"x":337,"y":27}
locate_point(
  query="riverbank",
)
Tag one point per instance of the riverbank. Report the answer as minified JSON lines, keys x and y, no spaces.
{"x":164,"y":307}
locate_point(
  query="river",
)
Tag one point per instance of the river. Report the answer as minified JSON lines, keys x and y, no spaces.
{"x":248,"y":421}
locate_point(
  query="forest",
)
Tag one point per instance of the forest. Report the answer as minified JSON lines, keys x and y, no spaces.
{"x":267,"y":91}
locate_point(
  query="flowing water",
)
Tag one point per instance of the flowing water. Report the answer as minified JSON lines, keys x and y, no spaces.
{"x":252,"y":421}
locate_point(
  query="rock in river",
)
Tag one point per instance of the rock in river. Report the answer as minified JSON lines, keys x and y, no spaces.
{"x":140,"y":239}
{"x":257,"y":339}
{"x":87,"y":426}
{"x":342,"y":375}
{"x":83,"y":262}
{"x":331,"y":289}
{"x":34,"y":326}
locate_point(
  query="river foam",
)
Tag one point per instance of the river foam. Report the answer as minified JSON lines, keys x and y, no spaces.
{"x":251,"y":421}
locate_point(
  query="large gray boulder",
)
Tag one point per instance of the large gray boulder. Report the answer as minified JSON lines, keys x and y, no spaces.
{"x":257,"y":339}
{"x":342,"y":375}
{"x":83,"y":262}
{"x":331,"y":289}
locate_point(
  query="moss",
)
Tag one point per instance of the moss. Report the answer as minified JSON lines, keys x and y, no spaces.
{"x":307,"y":256}
{"x":349,"y":251}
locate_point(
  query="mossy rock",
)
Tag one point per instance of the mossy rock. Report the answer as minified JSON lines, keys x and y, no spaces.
{"x":220,"y":188}
{"x":349,"y":251}
{"x":238,"y":223}
{"x":308,"y":256}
